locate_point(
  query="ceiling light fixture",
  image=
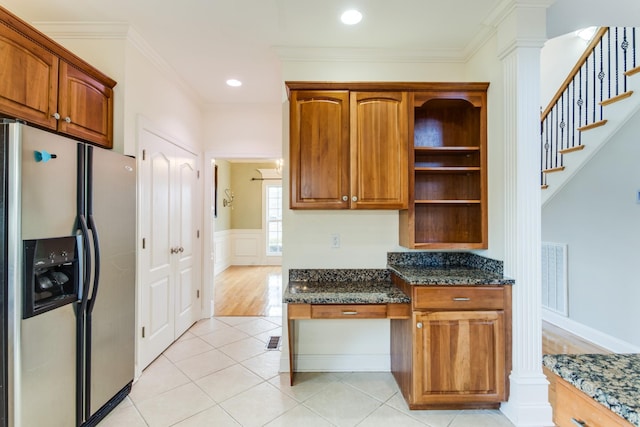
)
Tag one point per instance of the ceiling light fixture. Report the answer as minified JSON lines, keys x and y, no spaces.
{"x":234,"y":83}
{"x":351,"y":17}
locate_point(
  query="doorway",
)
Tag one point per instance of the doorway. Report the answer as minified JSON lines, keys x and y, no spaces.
{"x":244,"y":248}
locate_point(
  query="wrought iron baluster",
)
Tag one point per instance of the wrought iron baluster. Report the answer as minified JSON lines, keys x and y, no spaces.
{"x":601,"y":76}
{"x":593,"y":88}
{"x":617,"y":61}
{"x":624,"y":46}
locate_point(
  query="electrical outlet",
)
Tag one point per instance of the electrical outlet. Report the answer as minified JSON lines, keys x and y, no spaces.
{"x":335,"y":241}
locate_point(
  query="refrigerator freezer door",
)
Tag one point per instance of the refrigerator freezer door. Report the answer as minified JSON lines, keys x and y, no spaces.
{"x":113,"y":317}
{"x":49,"y":203}
{"x":49,"y":369}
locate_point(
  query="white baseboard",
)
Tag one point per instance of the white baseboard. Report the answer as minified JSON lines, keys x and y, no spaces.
{"x":341,"y":363}
{"x":595,"y":336}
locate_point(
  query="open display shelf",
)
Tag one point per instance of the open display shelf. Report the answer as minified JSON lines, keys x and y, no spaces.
{"x":447,"y":206}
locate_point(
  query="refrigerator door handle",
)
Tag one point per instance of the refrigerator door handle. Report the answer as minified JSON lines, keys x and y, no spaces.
{"x":84,"y":295}
{"x":96,"y":264}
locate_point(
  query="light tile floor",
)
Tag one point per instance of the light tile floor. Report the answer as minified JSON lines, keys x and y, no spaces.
{"x":220,"y":374}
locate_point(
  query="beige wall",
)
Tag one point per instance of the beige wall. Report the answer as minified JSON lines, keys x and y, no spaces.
{"x":247,"y":211}
{"x":223,"y":219}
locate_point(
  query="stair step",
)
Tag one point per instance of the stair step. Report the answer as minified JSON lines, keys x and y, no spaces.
{"x":571,"y":149}
{"x":551,"y":170}
{"x":592,"y":125}
{"x":632,"y":71}
{"x":616,"y":98}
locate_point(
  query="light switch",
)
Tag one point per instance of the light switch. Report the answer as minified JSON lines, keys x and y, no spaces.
{"x":335,"y":241}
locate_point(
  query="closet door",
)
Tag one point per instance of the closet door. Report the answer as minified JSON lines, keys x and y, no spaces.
{"x":186,"y":240}
{"x":169,"y":280}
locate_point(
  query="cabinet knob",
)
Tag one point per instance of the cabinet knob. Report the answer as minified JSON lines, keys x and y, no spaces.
{"x":419,"y":325}
{"x":174,"y":250}
{"x":354,"y":199}
{"x":56,"y":116}
{"x":180,"y":249}
{"x":345,"y":198}
{"x":67,"y":119}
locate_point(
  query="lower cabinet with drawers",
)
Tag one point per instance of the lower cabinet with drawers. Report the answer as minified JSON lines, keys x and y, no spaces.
{"x":454,"y":352}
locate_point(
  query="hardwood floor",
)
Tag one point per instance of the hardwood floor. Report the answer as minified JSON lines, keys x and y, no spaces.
{"x":558,"y":341}
{"x":257,"y":291}
{"x":248,"y":291}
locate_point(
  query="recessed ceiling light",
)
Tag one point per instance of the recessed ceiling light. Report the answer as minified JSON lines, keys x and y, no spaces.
{"x":234,"y":82}
{"x":351,"y":17}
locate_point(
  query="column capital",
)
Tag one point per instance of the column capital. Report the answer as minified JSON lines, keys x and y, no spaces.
{"x":522,"y":24}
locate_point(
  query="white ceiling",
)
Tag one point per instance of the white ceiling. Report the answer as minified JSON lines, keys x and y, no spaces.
{"x":208,"y":41}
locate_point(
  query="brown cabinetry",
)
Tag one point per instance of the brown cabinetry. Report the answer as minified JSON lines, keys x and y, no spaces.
{"x":348,"y":149}
{"x":448,"y":170}
{"x":573,"y":407}
{"x":455,"y":352}
{"x":46,"y":85}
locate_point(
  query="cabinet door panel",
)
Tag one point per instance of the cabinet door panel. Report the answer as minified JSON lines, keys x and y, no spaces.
{"x":319,"y":149}
{"x":28,"y":79}
{"x":88,"y":104}
{"x":379,"y":141}
{"x":459,"y":356}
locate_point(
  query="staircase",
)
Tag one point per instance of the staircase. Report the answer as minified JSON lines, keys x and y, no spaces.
{"x":599,"y":96}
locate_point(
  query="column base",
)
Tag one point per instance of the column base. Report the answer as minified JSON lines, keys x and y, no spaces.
{"x":528,"y":404}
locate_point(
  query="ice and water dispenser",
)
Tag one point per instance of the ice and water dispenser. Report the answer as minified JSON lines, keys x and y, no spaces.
{"x":52,"y":274}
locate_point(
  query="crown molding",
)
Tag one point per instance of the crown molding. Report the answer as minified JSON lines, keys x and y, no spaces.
{"x":118,"y":31}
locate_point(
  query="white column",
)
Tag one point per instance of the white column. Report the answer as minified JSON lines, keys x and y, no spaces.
{"x":520,"y":38}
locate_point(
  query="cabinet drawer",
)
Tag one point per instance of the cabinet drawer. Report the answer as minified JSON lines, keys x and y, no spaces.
{"x":574,"y":408}
{"x":458,"y":297}
{"x":349,"y":311}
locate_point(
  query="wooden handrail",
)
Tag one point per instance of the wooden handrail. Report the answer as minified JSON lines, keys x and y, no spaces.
{"x":596,"y":39}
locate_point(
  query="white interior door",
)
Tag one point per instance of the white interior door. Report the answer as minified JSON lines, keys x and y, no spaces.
{"x":187,"y":289}
{"x":169,"y":280}
{"x":156,"y":272}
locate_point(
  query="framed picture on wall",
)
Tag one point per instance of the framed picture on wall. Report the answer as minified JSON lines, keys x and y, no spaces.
{"x":215,"y":191}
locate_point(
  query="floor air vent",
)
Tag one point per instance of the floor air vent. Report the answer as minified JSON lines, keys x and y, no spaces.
{"x":274,"y":343}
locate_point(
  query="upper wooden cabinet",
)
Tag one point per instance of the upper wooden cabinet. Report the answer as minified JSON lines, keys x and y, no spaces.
{"x":85,"y":106}
{"x":45,"y":85}
{"x":28,"y":79}
{"x":448,"y":170}
{"x":379,"y":150}
{"x":348,"y":149}
{"x":319,"y":149}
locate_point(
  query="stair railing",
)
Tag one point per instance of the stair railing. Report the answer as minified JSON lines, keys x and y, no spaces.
{"x":598,"y":78}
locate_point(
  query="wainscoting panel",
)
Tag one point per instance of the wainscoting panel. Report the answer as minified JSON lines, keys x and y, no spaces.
{"x":221,"y":251}
{"x":246,"y":247}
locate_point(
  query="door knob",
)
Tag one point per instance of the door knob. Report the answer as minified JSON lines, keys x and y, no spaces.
{"x":180,"y":249}
{"x":174,"y":250}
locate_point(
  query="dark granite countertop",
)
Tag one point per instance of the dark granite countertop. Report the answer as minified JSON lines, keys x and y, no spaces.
{"x":343,"y":292}
{"x":448,"y":276}
{"x":613,"y":380}
{"x":446,"y":268}
{"x":374,"y":286}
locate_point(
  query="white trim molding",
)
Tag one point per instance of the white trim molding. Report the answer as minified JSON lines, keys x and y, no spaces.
{"x":528,"y":403}
{"x":221,"y":251}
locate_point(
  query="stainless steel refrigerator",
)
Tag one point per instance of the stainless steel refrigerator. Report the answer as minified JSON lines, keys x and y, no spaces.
{"x":69,"y":251}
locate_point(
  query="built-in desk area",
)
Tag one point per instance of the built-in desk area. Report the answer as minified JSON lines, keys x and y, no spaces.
{"x":450,"y":315}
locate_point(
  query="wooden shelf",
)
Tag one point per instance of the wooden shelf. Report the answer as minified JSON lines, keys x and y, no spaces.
{"x":447,"y":202}
{"x":448,"y":169}
{"x":446,"y":149}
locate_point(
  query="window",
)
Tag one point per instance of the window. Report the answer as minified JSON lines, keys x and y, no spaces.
{"x":274,"y":219}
